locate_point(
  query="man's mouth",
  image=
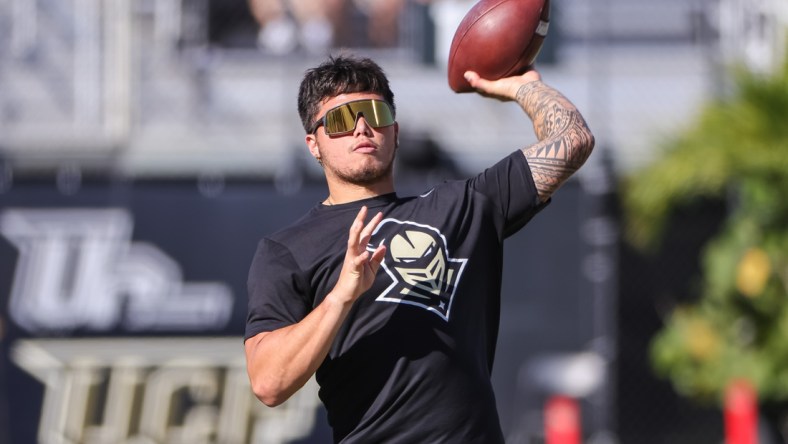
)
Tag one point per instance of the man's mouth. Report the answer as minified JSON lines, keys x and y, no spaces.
{"x":365,"y":148}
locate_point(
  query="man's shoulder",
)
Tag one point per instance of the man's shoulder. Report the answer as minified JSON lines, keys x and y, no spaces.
{"x":301,"y":229}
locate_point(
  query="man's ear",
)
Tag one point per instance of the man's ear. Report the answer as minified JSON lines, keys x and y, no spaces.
{"x":311,"y":143}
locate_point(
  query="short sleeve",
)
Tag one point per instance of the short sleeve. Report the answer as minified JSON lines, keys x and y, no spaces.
{"x":277,"y":290}
{"x":510,"y":185}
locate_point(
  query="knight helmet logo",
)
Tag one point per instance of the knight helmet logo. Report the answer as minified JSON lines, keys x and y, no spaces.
{"x":418,"y":261}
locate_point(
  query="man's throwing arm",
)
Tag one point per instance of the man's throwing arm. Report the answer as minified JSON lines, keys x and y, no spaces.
{"x":565,"y":141}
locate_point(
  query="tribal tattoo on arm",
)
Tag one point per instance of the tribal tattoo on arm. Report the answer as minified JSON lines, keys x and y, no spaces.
{"x":565,"y":141}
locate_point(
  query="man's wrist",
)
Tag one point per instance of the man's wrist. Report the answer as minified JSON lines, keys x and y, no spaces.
{"x":527,"y":87}
{"x":339,"y":299}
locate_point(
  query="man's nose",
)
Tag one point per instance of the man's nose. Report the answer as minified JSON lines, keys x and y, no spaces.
{"x":362,"y":127}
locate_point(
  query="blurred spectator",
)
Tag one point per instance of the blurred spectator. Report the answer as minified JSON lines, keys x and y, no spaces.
{"x":286,"y":25}
{"x":289,"y":25}
{"x":382,"y":20}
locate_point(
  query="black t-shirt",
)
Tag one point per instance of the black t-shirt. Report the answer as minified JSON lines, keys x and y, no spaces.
{"x":412,"y":361}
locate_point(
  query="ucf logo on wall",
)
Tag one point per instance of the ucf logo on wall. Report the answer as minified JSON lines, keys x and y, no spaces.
{"x":124,"y":324}
{"x":80,"y":269}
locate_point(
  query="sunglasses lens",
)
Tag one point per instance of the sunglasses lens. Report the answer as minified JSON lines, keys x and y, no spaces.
{"x":342,"y":119}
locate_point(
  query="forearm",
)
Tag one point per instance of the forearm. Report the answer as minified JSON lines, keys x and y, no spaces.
{"x":282,"y":361}
{"x":565,"y":141}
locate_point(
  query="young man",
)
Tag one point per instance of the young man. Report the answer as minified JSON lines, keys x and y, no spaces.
{"x":397,"y":314}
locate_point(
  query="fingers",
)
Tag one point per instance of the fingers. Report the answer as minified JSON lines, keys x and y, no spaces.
{"x":366,"y":234}
{"x":355,"y":229}
{"x":475,"y":79}
{"x":374,"y":259}
{"x":360,"y":265}
{"x":377,"y":258}
{"x":530,"y":74}
{"x":496,"y":89}
{"x":502,"y":89}
{"x":359,"y":260}
{"x":359,"y":237}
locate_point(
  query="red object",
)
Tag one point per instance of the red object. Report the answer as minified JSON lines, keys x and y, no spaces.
{"x":562,"y":421}
{"x":741,"y":413}
{"x":497,"y":38}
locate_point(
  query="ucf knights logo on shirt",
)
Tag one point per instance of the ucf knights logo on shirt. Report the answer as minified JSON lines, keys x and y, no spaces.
{"x":419,"y":263}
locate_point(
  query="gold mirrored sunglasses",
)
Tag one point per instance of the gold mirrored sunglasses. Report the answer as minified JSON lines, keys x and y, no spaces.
{"x":342,"y":119}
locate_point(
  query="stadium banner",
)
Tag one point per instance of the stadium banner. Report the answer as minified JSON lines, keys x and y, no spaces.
{"x":123,"y":309}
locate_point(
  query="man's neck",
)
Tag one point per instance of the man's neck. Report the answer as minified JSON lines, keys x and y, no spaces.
{"x":339,"y":193}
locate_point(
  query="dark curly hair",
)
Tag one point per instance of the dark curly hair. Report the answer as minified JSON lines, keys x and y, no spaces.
{"x":340,"y":75}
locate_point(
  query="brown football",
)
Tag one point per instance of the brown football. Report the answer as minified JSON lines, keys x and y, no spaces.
{"x":497,"y":38}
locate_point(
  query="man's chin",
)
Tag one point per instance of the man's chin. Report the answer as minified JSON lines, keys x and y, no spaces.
{"x":367,"y":176}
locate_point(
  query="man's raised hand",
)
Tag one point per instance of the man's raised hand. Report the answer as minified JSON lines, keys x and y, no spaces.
{"x":360,"y":266}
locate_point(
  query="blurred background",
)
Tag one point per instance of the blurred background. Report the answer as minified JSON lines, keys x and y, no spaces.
{"x":147,"y":145}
